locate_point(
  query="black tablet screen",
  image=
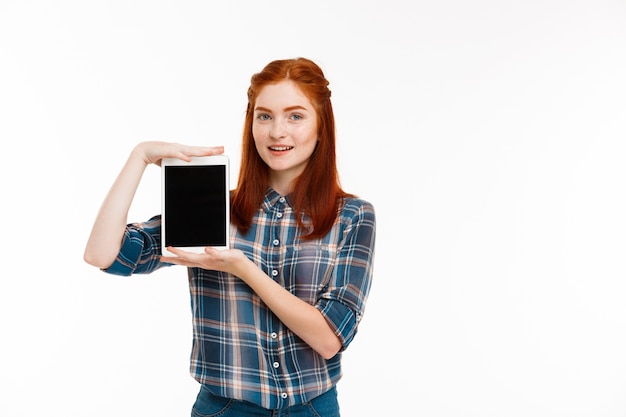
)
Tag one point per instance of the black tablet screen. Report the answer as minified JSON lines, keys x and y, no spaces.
{"x":195,"y":205}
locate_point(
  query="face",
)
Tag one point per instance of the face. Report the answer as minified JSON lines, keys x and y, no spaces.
{"x":285,"y":132}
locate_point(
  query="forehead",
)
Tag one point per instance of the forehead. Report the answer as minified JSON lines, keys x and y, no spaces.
{"x":282,"y":95}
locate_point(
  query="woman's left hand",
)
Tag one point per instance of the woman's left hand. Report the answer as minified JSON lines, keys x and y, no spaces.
{"x":230,"y":260}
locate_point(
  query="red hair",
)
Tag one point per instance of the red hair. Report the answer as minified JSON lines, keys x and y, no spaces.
{"x":317,"y":191}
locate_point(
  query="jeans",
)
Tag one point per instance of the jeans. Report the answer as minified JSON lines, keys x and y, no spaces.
{"x":209,"y":405}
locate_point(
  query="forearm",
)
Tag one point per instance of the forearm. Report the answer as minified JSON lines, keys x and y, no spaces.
{"x":302,"y":318}
{"x":107,"y":232}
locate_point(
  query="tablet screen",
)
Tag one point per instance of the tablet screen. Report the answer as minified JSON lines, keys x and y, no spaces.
{"x":195,"y":203}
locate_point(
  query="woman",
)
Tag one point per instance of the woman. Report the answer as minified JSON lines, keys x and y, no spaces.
{"x":272,"y":315}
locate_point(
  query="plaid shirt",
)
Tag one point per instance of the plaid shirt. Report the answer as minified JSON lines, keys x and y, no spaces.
{"x":240,"y":348}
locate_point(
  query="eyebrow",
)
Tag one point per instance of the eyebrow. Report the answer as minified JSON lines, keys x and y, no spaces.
{"x":286,"y":109}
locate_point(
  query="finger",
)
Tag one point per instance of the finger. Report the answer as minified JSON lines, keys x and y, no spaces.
{"x":204,"y":150}
{"x":183,"y":259}
{"x":178,"y":255}
{"x":181,"y":253}
{"x":170,"y":260}
{"x":216,"y":150}
{"x":172,"y":249}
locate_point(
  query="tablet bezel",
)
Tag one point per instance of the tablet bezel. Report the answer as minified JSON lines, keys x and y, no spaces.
{"x":221,"y":160}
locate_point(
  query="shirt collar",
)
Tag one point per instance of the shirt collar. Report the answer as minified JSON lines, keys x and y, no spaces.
{"x":272,"y":198}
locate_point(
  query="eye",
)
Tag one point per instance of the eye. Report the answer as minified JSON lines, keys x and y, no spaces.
{"x":263,"y":116}
{"x":296,"y":116}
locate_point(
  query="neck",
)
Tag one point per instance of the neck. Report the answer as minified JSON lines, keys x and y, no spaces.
{"x":282,"y":185}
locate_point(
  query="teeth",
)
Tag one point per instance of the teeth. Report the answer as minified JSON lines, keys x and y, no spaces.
{"x":281,"y":148}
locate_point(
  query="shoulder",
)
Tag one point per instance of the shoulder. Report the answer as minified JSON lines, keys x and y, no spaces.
{"x":355,"y":207}
{"x":357,"y":203}
{"x":357,"y":222}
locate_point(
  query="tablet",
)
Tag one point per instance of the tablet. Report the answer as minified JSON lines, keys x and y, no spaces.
{"x":195,"y":201}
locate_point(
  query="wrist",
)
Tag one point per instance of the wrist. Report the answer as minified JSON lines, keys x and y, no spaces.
{"x":138,"y":155}
{"x":245,"y":268}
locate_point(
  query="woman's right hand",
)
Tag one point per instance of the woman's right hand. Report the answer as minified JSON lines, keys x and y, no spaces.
{"x":152,"y":152}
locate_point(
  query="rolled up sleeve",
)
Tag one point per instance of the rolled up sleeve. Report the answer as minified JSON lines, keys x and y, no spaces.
{"x":343,"y":301}
{"x":141,"y":249}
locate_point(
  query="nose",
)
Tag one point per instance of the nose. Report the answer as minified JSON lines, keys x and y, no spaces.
{"x":278,"y":130}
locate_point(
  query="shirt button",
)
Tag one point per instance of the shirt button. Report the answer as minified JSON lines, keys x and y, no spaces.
{"x":282,"y":199}
{"x":276,"y":364}
{"x":274,"y":272}
{"x":279,"y":215}
{"x":283,"y":395}
{"x":275,"y":242}
{"x":274,"y":335}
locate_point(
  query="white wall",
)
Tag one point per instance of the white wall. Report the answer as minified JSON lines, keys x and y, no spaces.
{"x":489,"y":135}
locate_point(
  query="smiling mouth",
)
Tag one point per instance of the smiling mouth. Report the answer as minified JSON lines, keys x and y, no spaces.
{"x":281,"y":148}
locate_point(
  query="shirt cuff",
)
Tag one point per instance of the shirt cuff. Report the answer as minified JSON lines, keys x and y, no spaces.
{"x":341,"y":318}
{"x":126,"y":261}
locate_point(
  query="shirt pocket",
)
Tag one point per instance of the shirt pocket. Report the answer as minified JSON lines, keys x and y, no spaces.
{"x":307,"y":270}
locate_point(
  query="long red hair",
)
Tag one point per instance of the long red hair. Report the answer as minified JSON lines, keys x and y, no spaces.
{"x":317,"y":193}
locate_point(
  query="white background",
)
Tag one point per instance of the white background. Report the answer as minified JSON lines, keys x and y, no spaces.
{"x":489,"y":135}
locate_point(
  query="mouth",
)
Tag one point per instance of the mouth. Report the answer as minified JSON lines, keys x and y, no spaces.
{"x":280,"y":148}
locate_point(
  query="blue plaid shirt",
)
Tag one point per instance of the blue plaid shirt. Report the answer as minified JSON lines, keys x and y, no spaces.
{"x":240,"y":348}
